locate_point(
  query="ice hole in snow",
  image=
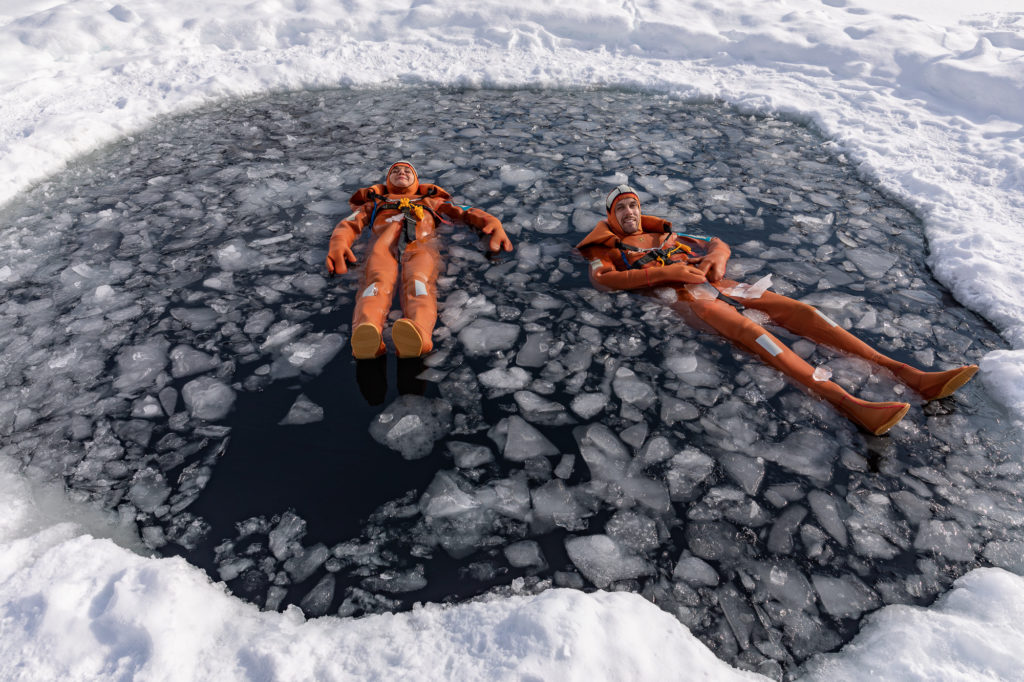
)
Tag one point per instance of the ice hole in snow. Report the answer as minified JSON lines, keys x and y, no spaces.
{"x":175,"y":353}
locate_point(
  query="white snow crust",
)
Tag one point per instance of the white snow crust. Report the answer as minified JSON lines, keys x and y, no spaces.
{"x":926,"y":97}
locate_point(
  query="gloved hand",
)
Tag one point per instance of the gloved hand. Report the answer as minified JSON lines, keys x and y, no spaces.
{"x":336,"y":257}
{"x":713,"y":263}
{"x":676,"y":273}
{"x":497,"y":239}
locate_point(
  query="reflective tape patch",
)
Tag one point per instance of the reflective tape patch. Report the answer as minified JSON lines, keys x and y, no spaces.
{"x":768,"y":345}
{"x":825,"y":317}
{"x":595,"y":264}
{"x":421,"y":288}
{"x":370,"y":290}
{"x":353,"y":216}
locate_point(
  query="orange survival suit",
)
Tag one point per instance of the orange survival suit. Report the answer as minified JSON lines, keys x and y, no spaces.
{"x":652,"y":256}
{"x":403,"y":221}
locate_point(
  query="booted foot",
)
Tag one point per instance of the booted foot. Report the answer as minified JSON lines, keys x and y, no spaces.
{"x":876,"y":418}
{"x":935,"y":385}
{"x":367,"y":342}
{"x":408,"y":339}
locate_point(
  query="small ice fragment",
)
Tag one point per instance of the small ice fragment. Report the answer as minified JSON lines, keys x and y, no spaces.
{"x":523,"y":441}
{"x":753,"y":291}
{"x":603,"y":561}
{"x":208,"y":399}
{"x":525,"y":553}
{"x":821,"y":374}
{"x":303,"y":411}
{"x":702,"y":291}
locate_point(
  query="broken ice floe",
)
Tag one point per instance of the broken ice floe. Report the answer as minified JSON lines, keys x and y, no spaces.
{"x":585,"y":438}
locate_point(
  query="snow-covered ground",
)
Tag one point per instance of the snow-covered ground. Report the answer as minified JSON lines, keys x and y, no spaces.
{"x":928,"y":99}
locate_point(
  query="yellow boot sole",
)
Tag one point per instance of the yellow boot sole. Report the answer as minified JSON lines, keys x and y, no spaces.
{"x":407,"y":338}
{"x":367,"y":342}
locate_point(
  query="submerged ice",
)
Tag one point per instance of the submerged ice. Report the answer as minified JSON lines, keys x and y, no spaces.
{"x":562,"y":436}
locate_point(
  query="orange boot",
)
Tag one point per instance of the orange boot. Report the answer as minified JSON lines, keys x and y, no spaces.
{"x":876,"y":418}
{"x":808,"y":321}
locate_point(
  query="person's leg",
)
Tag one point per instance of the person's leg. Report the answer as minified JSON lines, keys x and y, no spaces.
{"x":808,"y":321}
{"x":876,"y":418}
{"x":373,"y":301}
{"x":420,"y":266}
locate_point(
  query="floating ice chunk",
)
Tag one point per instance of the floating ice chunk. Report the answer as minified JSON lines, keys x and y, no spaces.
{"x":603,"y":452}
{"x":468,"y":455}
{"x":844,"y":597}
{"x":303,"y":411}
{"x":208,"y":399}
{"x":826,"y":510}
{"x":318,"y":600}
{"x":411,"y":425}
{"x":635,"y":435}
{"x":780,"y":537}
{"x":304,"y":564}
{"x":808,"y":452}
{"x":565,"y":466}
{"x":695,"y":571}
{"x":525,"y":554}
{"x":872,"y":261}
{"x":186,"y":361}
{"x":283,"y":539}
{"x":603,"y":561}
{"x":443,"y":498}
{"x":681,"y":364}
{"x":541,"y":410}
{"x":236,"y":255}
{"x":674,"y":410}
{"x":397,"y":581}
{"x":946,"y":538}
{"x":632,"y":531}
{"x":507,"y":496}
{"x":312,"y":353}
{"x":281,"y":333}
{"x":523,"y":441}
{"x":503,"y":381}
{"x":752,"y":291}
{"x":687,"y":471}
{"x":483,"y":336}
{"x":821,"y":374}
{"x":232,"y":569}
{"x":702,"y":291}
{"x":587,"y":405}
{"x":148,"y":489}
{"x":511,"y":175}
{"x":147,"y":407}
{"x":1006,"y":554}
{"x":554,"y":505}
{"x":138,"y":366}
{"x":747,"y":471}
{"x":534,"y":352}
{"x":633,"y":390}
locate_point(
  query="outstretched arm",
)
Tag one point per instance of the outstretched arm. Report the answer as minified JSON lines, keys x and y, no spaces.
{"x":483,"y":222}
{"x":339,"y":252}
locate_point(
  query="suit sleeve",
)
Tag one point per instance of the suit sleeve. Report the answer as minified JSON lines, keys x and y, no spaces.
{"x":604,"y":273}
{"x":481,"y":221}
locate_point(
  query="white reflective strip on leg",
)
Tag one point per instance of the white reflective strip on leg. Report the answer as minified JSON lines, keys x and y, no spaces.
{"x":768,"y":345}
{"x":370,"y":290}
{"x":421,"y":288}
{"x":354,"y":215}
{"x":595,"y":264}
{"x":831,"y":322}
